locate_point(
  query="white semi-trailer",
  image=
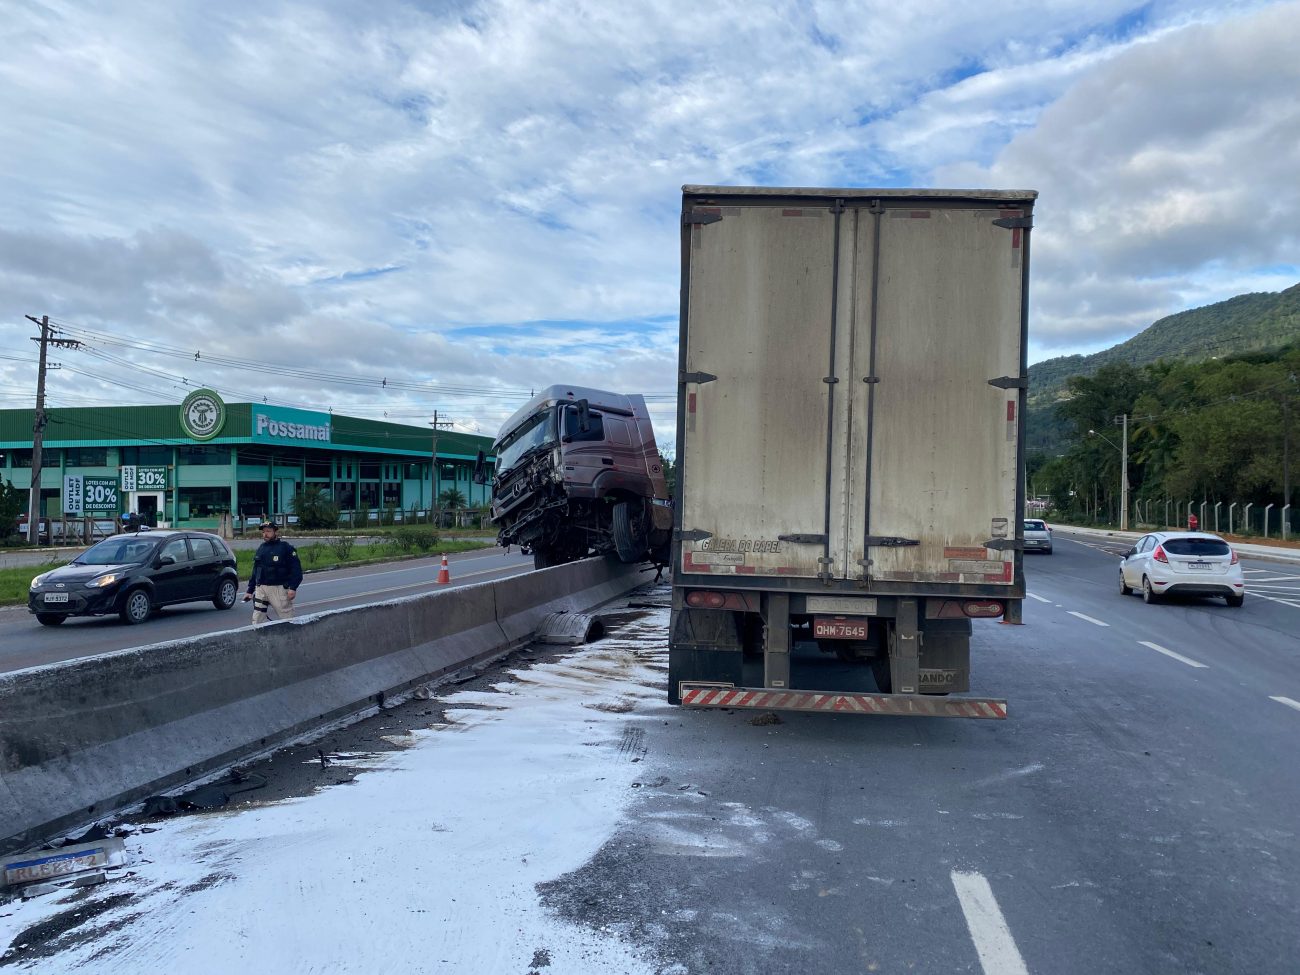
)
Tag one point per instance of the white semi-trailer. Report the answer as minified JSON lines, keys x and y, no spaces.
{"x":850,"y":418}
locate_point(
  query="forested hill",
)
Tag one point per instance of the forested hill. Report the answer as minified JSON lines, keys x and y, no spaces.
{"x":1246,"y":323}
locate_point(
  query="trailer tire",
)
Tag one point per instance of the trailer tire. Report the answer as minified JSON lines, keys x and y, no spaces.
{"x":629,"y":538}
{"x":544,"y":558}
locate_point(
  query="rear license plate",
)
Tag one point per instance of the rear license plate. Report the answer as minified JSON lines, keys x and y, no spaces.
{"x":56,"y":597}
{"x":826,"y":628}
{"x":1199,"y":566}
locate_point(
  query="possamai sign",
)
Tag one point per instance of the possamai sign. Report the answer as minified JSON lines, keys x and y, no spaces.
{"x":203,"y":414}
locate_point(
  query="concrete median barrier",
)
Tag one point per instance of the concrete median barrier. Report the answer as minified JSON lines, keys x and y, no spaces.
{"x":81,"y":739}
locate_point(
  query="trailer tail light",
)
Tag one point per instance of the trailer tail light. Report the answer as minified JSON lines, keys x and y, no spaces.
{"x":981,"y":610}
{"x":1234,"y":555}
{"x":1159,"y":555}
{"x":708,"y":599}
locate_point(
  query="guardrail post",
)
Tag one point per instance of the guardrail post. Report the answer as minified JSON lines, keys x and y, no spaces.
{"x":1267,"y":508}
{"x":1166,"y":512}
{"x":1245,"y":515}
{"x":1231,"y":508}
{"x":1216,"y":516}
{"x":1286,"y":520}
{"x":1201,"y":523}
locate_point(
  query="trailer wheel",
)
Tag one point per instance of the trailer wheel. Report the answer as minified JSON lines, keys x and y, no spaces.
{"x":629,"y":538}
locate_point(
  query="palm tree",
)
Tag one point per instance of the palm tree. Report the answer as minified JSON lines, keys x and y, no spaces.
{"x":451,"y":500}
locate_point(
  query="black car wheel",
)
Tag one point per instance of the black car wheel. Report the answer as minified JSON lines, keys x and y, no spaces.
{"x":226,"y":595}
{"x":1124,"y":588}
{"x":50,"y":619}
{"x":136,"y":608}
{"x":1148,"y":594}
{"x":1234,"y":600}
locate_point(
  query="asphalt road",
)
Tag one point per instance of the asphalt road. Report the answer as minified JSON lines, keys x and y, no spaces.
{"x":25,"y":643}
{"x":1138,"y":812}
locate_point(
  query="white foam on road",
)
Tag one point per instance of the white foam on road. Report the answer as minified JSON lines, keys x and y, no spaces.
{"x":988,"y":928}
{"x":428,"y":863}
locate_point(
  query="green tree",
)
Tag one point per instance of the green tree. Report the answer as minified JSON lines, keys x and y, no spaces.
{"x":452,"y":499}
{"x":315,"y":508}
{"x":13,"y":502}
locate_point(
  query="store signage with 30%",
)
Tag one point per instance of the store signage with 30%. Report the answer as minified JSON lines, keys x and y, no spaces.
{"x":90,"y":495}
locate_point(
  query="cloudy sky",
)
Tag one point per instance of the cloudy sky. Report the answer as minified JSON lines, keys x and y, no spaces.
{"x":396,"y":207}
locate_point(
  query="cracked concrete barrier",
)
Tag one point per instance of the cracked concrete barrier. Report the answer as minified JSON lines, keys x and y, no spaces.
{"x":81,"y":739}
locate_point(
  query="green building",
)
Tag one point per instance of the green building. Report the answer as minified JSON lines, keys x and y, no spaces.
{"x":187,"y":465}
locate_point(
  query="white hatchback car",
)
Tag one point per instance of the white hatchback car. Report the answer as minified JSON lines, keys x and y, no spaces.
{"x":1182,"y":563}
{"x":1038,"y":536}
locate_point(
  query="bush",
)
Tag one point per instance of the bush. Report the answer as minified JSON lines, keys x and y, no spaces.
{"x":314,"y":508}
{"x":342,"y":547}
{"x":388,"y":515}
{"x":426,"y":540}
{"x":406,"y":538}
{"x":311,"y":553}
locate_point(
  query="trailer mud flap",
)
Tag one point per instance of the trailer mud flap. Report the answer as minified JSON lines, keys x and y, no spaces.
{"x":700,"y":695}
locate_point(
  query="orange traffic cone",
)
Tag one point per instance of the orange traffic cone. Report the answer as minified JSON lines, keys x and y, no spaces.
{"x":444,"y":572}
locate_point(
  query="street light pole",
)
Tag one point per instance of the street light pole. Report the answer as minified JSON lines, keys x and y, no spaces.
{"x":1123,"y":481}
{"x":1123,"y":477}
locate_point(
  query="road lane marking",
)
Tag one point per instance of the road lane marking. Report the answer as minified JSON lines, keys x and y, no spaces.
{"x":1275,"y":579}
{"x":988,"y":928}
{"x":1274,"y":599}
{"x":1177,"y":656}
{"x":1087,"y":618}
{"x":1287,"y":701}
{"x":1039,"y":598}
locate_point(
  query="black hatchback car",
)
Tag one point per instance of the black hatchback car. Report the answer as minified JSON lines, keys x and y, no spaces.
{"x":134,"y":574}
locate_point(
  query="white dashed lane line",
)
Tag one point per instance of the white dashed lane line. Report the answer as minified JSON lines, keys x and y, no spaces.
{"x":1039,"y":598}
{"x":1287,"y":701}
{"x":1176,"y":656}
{"x":988,"y":928}
{"x":1086,"y":618}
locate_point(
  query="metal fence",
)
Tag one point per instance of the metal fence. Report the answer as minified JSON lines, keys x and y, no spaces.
{"x":1270,"y":520}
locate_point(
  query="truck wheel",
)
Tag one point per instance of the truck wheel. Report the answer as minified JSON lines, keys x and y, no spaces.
{"x":629,"y":541}
{"x":544,"y":558}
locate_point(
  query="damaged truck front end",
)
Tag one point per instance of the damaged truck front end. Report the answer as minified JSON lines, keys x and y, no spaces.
{"x":579,"y":472}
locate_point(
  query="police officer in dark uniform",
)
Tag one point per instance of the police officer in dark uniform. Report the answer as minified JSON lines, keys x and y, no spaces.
{"x":277,"y":573}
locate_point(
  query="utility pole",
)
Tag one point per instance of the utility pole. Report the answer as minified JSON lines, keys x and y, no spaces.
{"x":1123,"y":477}
{"x":433,"y":474}
{"x":38,"y":426}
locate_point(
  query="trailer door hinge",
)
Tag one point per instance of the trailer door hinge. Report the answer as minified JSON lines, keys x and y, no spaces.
{"x":1005,"y":544}
{"x":696,"y":377}
{"x":802,"y":539}
{"x":889,"y":541}
{"x":1015,"y":223}
{"x":1010,"y":382}
{"x":701,"y":216}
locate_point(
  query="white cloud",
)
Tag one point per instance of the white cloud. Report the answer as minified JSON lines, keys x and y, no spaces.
{"x":350,"y":187}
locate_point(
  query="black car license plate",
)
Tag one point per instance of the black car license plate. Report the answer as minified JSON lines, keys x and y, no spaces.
{"x":56,"y":597}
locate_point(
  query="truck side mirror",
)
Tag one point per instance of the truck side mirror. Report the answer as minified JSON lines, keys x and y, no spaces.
{"x":584,"y":416}
{"x":480,"y":469}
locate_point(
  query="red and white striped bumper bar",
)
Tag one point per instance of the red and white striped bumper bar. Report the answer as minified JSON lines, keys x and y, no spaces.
{"x":767,"y":699}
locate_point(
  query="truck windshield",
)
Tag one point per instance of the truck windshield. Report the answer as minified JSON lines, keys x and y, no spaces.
{"x":533,"y":432}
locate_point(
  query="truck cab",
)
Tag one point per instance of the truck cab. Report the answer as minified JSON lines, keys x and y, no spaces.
{"x":578,"y":472}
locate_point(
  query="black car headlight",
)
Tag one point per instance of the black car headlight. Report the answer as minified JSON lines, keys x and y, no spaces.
{"x":101,"y":581}
{"x":36,"y":583}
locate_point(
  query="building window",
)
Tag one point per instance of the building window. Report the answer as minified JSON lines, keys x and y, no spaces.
{"x":204,"y":502}
{"x":22,"y":458}
{"x":370,"y":471}
{"x":415,"y":472}
{"x":196,"y":456}
{"x":318,"y":468}
{"x":86,"y":456}
{"x":153,"y":455}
